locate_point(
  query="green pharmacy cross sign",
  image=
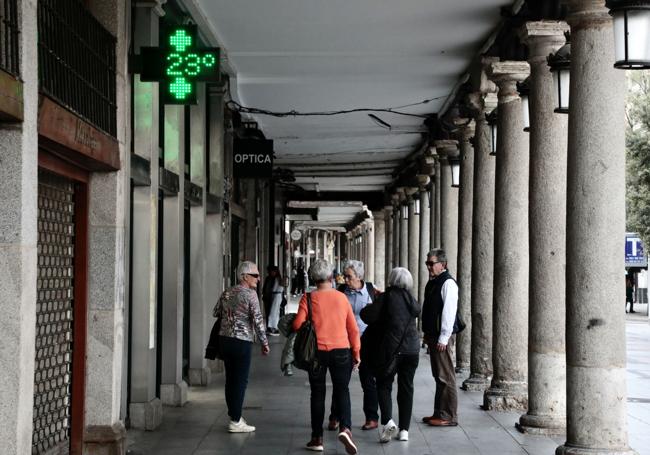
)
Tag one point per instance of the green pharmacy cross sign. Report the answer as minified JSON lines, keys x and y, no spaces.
{"x":179,"y":64}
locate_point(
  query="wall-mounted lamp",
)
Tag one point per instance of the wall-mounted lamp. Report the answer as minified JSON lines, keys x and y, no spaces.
{"x":524,"y":91}
{"x":631,"y":33}
{"x":492,"y":123}
{"x":405,"y":211}
{"x":416,"y":206}
{"x":454,"y":165}
{"x":560,"y":64}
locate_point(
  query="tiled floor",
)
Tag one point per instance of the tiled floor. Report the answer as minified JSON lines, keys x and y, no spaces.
{"x":279,"y":407}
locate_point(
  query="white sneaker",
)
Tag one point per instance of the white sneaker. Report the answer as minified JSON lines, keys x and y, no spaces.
{"x":387,"y":433}
{"x":403,"y":435}
{"x":240,"y":427}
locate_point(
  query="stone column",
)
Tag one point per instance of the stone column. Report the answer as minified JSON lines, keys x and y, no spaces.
{"x":433,"y":202}
{"x":437,"y":193}
{"x":403,"y":232}
{"x":173,"y":389}
{"x":370,"y":250}
{"x":448,"y":204}
{"x":388,"y":216}
{"x":413,"y":237}
{"x":596,"y":388}
{"x":509,"y":389}
{"x":18,"y":249}
{"x":380,"y":248}
{"x":464,"y":342}
{"x":396,"y":225}
{"x":547,"y":219}
{"x":425,"y":224}
{"x":482,"y":247}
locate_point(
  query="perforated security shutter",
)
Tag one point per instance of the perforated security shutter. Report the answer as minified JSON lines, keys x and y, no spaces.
{"x":54,"y":314}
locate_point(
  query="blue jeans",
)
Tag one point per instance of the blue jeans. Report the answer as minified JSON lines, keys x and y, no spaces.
{"x":237,"y":361}
{"x":339,"y":363}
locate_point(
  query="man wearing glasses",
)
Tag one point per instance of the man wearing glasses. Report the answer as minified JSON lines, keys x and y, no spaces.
{"x":438,"y":317}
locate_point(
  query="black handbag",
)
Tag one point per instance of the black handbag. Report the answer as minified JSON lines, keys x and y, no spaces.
{"x":305,"y":347}
{"x":213,"y":349}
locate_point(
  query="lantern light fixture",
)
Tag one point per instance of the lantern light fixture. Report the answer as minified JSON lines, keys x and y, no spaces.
{"x":560,"y":64}
{"x":405,"y":212}
{"x":524,"y":91}
{"x":492,"y":123}
{"x":416,"y":206}
{"x":454,"y":165}
{"x":631,"y":33}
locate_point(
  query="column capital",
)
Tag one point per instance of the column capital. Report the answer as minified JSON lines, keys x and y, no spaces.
{"x":543,"y":38}
{"x":466,"y":131}
{"x":423,"y":181}
{"x":447,"y":148}
{"x":506,"y":75}
{"x":379,"y":215}
{"x":410,"y":191}
{"x":388,"y":210}
{"x":485,"y":85}
{"x":587,"y":13}
{"x":156,"y":5}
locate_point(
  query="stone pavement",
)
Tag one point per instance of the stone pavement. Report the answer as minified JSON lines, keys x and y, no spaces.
{"x":279,"y":407}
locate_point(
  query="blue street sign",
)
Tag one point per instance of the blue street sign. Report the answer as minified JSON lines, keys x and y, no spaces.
{"x":634,"y":251}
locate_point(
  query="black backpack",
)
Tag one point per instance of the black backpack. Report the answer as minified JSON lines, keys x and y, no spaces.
{"x":305,"y":346}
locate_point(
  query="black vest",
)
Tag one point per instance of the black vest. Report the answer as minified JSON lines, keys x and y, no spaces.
{"x":433,"y":305}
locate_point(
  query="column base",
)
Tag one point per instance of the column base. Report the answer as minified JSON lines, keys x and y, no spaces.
{"x":506,"y":396}
{"x":545,"y":425}
{"x":174,"y":394}
{"x":146,"y":416}
{"x":105,"y":439}
{"x":572,"y":450}
{"x":462,"y":369}
{"x":200,"y":376}
{"x":476,"y":383}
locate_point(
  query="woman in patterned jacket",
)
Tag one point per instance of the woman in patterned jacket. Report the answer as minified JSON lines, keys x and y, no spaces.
{"x":241,"y":319}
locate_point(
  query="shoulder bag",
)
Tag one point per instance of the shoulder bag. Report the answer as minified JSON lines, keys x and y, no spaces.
{"x":305,"y":346}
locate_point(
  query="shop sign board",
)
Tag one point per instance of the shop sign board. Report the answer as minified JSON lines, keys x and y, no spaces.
{"x":253,"y":158}
{"x":635,"y":255}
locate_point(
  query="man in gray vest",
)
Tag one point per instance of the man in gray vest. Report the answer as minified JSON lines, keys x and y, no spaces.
{"x":438,"y":317}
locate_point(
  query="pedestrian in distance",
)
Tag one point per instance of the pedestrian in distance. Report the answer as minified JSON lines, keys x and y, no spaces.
{"x":359,"y":294}
{"x":438,"y":319}
{"x":276,"y":292}
{"x":241,"y":319}
{"x":337,"y":337}
{"x":394,"y":350}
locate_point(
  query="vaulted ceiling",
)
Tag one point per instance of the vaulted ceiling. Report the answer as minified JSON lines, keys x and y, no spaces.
{"x":334,"y":55}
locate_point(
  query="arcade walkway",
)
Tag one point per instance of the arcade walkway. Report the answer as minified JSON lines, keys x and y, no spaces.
{"x":279,"y":407}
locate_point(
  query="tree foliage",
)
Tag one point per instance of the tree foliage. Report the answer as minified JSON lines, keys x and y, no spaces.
{"x":637,"y":140}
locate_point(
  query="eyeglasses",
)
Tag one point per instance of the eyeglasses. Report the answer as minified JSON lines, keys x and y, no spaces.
{"x":254,"y":275}
{"x":431,"y":263}
{"x":348,"y":277}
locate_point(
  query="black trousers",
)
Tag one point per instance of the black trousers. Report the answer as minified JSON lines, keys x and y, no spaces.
{"x":237,"y":362}
{"x":369,"y":387}
{"x":406,"y":366}
{"x":339,"y":364}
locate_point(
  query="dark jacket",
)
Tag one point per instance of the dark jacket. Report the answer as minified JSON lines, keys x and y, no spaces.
{"x":387,"y":317}
{"x":433,"y":305}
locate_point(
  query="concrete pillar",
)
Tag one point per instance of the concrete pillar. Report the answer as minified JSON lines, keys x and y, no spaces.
{"x":509,"y":389}
{"x":380,"y":249}
{"x":403,"y":232}
{"x":370,"y":250}
{"x":596,"y":388}
{"x":466,"y":190}
{"x":145,"y":409}
{"x":413,"y":237}
{"x":482,"y":246}
{"x":173,"y":389}
{"x":547,"y":222}
{"x":396,"y":226}
{"x":433,"y":202}
{"x":425,"y":213}
{"x":18,"y":250}
{"x":437,"y":193}
{"x":388,"y":217}
{"x":448,"y":204}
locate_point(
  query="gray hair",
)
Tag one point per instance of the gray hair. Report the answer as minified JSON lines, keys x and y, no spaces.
{"x":244,"y":268}
{"x":400,"y":278}
{"x":439,"y":254}
{"x":356,"y":266}
{"x":321,"y":270}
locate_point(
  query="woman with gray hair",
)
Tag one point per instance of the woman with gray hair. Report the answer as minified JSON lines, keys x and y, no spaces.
{"x":337,"y":337}
{"x":391,"y":323}
{"x":241,"y":319}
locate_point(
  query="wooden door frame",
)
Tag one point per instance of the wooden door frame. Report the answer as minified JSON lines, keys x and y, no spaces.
{"x":53,"y":163}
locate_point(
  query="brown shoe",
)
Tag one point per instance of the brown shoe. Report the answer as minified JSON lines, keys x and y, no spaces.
{"x":427,"y":418}
{"x":437,"y":422}
{"x":345,"y":436}
{"x":370,"y":425}
{"x":315,"y":445}
{"x":333,"y":425}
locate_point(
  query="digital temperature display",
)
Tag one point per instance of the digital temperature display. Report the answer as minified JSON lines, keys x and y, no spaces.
{"x":179,"y":63}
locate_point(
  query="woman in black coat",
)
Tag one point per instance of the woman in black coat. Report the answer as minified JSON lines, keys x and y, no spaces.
{"x":396,"y":347}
